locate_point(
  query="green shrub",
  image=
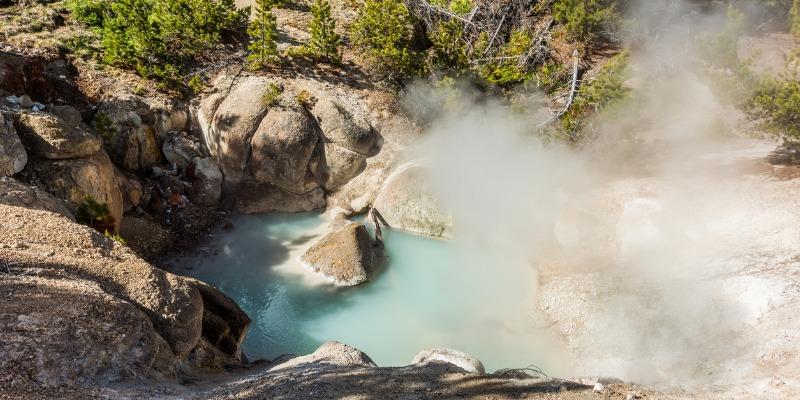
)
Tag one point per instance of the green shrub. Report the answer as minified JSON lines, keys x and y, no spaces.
{"x":263,"y":31}
{"x":115,"y":237}
{"x":509,"y":69}
{"x":383,"y":32}
{"x":305,"y":99}
{"x":776,"y":103}
{"x":95,"y":214}
{"x":606,"y":89}
{"x":448,"y":49}
{"x":196,"y":84}
{"x":90,"y":12}
{"x":584,"y":20}
{"x":272,"y":95}
{"x":159,"y":38}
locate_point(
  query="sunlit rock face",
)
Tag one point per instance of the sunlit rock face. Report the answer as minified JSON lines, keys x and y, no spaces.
{"x":406,"y":202}
{"x":273,"y":151}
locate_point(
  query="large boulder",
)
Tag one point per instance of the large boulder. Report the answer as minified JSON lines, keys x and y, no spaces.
{"x":344,"y":256}
{"x":330,"y":354}
{"x":449,"y":356}
{"x":61,"y":330}
{"x":174,"y":305}
{"x":73,"y":180}
{"x":48,"y":136}
{"x":255,"y":198}
{"x":232,"y":127}
{"x":206,"y":179}
{"x":14,"y":193}
{"x":281,"y":148}
{"x":407,"y":203}
{"x":12,"y":154}
{"x":346,"y":125}
{"x":334,"y":166}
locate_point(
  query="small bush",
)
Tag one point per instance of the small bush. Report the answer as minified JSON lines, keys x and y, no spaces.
{"x":510,"y":69}
{"x":585,"y":20}
{"x":196,"y":84}
{"x":272,"y":95}
{"x":606,"y":89}
{"x":305,"y":99}
{"x":95,"y":214}
{"x":90,"y":12}
{"x":115,"y":237}
{"x":776,"y":103}
{"x":448,"y":49}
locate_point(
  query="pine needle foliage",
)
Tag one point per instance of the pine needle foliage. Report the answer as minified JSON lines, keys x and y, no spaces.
{"x":383,"y":32}
{"x":263,"y":31}
{"x":324,"y":43}
{"x":159,"y":39}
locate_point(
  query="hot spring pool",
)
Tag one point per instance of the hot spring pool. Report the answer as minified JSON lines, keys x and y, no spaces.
{"x":425,"y":296}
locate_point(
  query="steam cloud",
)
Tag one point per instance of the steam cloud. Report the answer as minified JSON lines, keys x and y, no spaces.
{"x":629,"y":236}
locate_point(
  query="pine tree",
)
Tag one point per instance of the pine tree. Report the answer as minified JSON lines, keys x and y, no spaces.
{"x":262,"y":31}
{"x":324,"y":43}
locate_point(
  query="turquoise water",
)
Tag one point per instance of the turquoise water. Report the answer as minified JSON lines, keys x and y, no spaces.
{"x":426,"y":295}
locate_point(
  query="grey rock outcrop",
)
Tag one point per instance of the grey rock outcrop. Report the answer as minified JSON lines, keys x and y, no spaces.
{"x":69,"y":114}
{"x":48,"y":136}
{"x":15,"y":193}
{"x":12,"y":154}
{"x":407,"y":203}
{"x":133,"y":130}
{"x":180,"y":150}
{"x":206,"y":179}
{"x":345,"y":256}
{"x":281,"y":148}
{"x":331,"y":354}
{"x":334,"y":166}
{"x":235,"y":120}
{"x":62,"y":330}
{"x":75,"y":179}
{"x":113,"y":313}
{"x":130,"y":188}
{"x":449,"y":356}
{"x":283,"y":151}
{"x":346,"y":126}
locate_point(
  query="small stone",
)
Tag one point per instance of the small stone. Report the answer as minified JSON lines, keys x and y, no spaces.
{"x":598,"y":387}
{"x":25,"y":101}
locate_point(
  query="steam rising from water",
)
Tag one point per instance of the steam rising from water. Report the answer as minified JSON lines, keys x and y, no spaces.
{"x":633,"y":238}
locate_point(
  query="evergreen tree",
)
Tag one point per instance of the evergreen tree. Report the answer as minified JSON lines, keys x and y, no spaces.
{"x":324,"y":41}
{"x":262,"y":31}
{"x":383,"y":32}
